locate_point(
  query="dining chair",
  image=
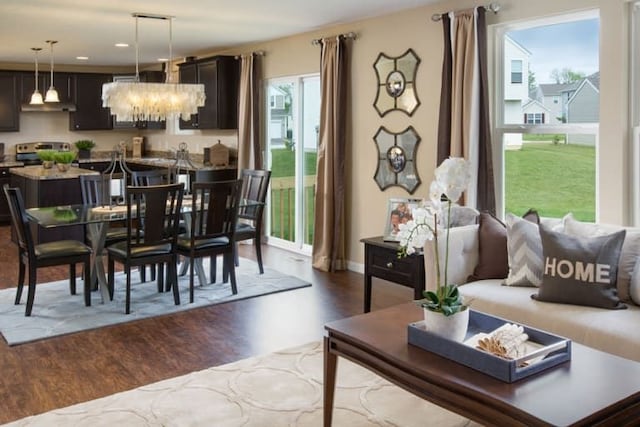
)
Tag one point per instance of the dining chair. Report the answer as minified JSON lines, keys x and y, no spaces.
{"x":213,"y":217}
{"x":255,"y":183}
{"x":210,"y":175}
{"x":153,"y":214}
{"x":96,"y":190}
{"x":48,"y":254}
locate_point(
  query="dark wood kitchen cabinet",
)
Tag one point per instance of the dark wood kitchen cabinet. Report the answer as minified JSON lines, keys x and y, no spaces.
{"x":63,"y":82}
{"x":89,"y":114}
{"x":9,"y":101}
{"x":220,"y":77}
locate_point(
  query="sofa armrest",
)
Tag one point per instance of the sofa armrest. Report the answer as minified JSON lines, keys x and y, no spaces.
{"x":463,"y":256}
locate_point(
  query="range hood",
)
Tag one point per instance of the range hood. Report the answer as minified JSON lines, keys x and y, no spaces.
{"x":48,"y":107}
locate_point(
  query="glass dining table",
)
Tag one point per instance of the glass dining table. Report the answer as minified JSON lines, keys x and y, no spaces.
{"x":96,"y":219}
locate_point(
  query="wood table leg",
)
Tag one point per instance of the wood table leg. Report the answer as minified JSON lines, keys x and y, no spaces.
{"x":367,"y":293}
{"x":330,"y":366}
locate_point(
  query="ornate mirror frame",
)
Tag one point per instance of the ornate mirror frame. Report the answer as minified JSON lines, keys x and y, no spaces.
{"x":397,"y":159}
{"x":396,"y":83}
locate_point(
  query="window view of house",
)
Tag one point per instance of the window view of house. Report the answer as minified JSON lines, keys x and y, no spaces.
{"x":548,"y":125}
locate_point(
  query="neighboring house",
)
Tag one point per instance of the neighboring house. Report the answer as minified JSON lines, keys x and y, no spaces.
{"x":554,"y":96}
{"x":279,"y":116}
{"x":516,"y":90}
{"x":535,"y":113}
{"x":583,"y":106}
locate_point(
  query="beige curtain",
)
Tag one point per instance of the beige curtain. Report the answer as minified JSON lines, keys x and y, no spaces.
{"x":249,"y":147}
{"x":329,"y":253}
{"x":464,"y":126}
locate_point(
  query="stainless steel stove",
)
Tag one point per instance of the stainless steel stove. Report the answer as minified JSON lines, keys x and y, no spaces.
{"x":27,"y":152}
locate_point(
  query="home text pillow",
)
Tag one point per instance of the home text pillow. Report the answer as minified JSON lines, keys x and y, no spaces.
{"x":580,"y":270}
{"x":524,"y":251}
{"x":628,"y":256}
{"x":493,"y":262}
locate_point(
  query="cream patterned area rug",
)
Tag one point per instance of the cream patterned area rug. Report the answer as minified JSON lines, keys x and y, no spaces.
{"x":277,"y":390}
{"x":57,"y":312}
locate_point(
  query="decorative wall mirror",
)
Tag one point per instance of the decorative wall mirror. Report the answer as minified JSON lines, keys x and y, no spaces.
{"x":397,"y":159}
{"x":396,"y":83}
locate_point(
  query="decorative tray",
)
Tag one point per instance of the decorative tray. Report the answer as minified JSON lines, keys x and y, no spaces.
{"x":543,"y":350}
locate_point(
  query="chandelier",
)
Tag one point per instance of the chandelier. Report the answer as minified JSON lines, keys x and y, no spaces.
{"x":139,"y":101}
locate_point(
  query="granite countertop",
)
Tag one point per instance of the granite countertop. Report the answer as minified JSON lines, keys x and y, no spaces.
{"x":39,"y":173}
{"x":159,"y":162}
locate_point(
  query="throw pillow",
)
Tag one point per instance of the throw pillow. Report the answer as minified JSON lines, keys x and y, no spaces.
{"x":524,"y":251}
{"x":628,"y":256}
{"x":634,"y":285}
{"x":580,"y":270}
{"x":493,"y":262}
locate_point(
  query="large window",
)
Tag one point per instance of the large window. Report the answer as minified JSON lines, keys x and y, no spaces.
{"x":548,"y":156}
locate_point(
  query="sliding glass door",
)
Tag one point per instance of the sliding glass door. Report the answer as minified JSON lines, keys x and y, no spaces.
{"x":293,"y":120}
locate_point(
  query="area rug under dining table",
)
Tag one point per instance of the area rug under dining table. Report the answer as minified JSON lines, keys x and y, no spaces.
{"x":279,"y":389}
{"x":57,"y":312}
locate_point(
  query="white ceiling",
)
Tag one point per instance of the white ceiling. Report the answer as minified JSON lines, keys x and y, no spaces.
{"x":92,"y":27}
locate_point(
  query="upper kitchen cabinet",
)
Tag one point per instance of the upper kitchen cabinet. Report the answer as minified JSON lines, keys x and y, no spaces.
{"x":9,"y":101}
{"x":89,"y":114}
{"x":220,"y":76}
{"x":63,"y":82}
{"x":147,"y":77}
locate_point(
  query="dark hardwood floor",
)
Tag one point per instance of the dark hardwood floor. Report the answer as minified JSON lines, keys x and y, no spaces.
{"x":40,"y":376}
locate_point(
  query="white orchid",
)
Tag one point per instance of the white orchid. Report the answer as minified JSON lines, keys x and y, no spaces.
{"x":451,"y":180}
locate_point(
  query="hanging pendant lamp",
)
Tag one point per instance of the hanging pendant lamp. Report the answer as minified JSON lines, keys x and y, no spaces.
{"x":52,"y":93}
{"x":139,"y":101}
{"x":36,"y":97}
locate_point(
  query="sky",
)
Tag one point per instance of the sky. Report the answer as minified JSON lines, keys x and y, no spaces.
{"x":572,"y":45}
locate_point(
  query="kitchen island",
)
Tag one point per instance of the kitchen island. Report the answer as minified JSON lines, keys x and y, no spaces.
{"x":42,"y":187}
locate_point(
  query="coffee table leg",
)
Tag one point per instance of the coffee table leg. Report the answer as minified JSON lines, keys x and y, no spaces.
{"x":330,"y":365}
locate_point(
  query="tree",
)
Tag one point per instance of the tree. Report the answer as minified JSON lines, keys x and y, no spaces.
{"x":532,"y":81}
{"x":566,"y":75}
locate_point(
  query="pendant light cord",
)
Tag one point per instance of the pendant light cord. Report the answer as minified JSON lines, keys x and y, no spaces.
{"x":168,"y":69}
{"x":137,"y":52}
{"x":51,"y":43}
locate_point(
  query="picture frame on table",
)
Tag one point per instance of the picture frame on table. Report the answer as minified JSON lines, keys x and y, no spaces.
{"x":399,"y":210}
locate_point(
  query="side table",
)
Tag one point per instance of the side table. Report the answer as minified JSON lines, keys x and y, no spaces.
{"x":381,"y":260}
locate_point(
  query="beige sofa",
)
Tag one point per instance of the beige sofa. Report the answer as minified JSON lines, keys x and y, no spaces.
{"x":612,"y":331}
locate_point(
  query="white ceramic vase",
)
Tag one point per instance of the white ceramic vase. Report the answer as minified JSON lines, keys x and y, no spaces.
{"x":452,"y":327}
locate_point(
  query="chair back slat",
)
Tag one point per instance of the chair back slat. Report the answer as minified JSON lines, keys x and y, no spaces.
{"x":19,"y":219}
{"x":152,"y":177}
{"x":96,"y":189}
{"x":215,"y":209}
{"x":153,"y":214}
{"x":255,"y":183}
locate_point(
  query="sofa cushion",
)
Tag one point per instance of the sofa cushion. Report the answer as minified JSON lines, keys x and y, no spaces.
{"x":612,"y":331}
{"x":580,"y":270}
{"x":630,"y":248}
{"x":493,"y":262}
{"x":524,"y":252}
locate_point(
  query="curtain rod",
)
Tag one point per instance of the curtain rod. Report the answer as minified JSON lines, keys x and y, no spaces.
{"x":493,"y":7}
{"x":350,"y":35}
{"x":257,"y":52}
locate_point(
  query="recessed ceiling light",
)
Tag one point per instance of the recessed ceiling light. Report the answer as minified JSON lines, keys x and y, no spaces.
{"x":122,"y":45}
{"x":162,"y":59}
{"x":82,"y":58}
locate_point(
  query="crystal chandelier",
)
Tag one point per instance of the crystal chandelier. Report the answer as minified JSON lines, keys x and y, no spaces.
{"x":139,"y":101}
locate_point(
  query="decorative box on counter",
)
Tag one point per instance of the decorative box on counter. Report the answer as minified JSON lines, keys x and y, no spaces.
{"x":546,"y":350}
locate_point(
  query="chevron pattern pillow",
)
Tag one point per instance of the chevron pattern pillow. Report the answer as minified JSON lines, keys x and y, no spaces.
{"x":524,"y":248}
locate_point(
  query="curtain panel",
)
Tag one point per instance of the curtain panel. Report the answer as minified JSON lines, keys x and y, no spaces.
{"x":250,"y":155}
{"x":464,"y":126}
{"x":329,"y":242}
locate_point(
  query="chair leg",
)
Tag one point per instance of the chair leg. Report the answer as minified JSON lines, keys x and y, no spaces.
{"x":111,"y":277}
{"x":87,"y":282}
{"x":143,"y":273}
{"x":191,"y":268}
{"x":172,"y":269}
{"x":236,"y":258}
{"x":213,"y":267}
{"x":21,"y":271}
{"x":31,"y":292}
{"x":127,"y":305}
{"x":256,"y":242}
{"x":231,"y":269}
{"x":72,"y":279}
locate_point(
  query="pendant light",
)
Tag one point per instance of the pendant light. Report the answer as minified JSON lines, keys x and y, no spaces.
{"x":141,"y":101}
{"x":36,"y":97}
{"x":52,"y":93}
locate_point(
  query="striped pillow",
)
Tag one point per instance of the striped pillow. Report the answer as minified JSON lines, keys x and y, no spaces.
{"x":524,"y":248}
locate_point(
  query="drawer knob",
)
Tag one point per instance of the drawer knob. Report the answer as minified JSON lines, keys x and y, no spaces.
{"x":390,"y":264}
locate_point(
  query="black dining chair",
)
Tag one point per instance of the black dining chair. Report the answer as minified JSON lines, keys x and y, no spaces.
{"x":153,"y":215}
{"x":255,"y":183}
{"x":96,"y":190}
{"x":213,"y":217}
{"x":48,"y":254}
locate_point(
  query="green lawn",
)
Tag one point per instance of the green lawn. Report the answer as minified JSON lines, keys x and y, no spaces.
{"x":552,"y":178}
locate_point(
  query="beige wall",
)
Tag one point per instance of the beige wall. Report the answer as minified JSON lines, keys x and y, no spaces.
{"x":393,"y":35}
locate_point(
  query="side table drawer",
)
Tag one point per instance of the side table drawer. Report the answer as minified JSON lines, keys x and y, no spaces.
{"x":386,"y":265}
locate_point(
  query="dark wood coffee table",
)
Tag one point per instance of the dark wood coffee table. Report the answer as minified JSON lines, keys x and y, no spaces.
{"x":593,"y":388}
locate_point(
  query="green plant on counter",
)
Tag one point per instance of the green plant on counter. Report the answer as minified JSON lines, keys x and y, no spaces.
{"x":64,"y":157}
{"x":47,"y":155}
{"x":84,"y":144}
